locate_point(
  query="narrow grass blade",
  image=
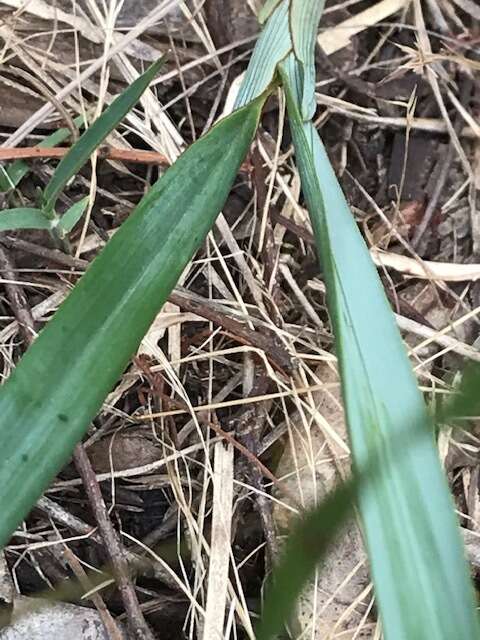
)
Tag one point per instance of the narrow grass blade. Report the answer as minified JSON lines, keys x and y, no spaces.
{"x":71,"y":217}
{"x":309,"y":542}
{"x":23,"y":218}
{"x":417,"y":562}
{"x":11,"y":175}
{"x":93,"y":137}
{"x":57,"y":388}
{"x":273,"y":45}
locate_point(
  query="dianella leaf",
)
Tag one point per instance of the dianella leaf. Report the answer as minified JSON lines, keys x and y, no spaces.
{"x":304,"y":19}
{"x":57,"y":388}
{"x":267,"y":10}
{"x":95,"y":134}
{"x":273,"y":45}
{"x":291,"y":25}
{"x":416,"y":556}
{"x":23,"y":218}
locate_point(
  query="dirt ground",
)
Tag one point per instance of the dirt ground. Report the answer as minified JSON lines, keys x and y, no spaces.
{"x":243,"y":351}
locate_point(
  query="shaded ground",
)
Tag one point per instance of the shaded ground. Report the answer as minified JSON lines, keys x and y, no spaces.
{"x":244,"y":344}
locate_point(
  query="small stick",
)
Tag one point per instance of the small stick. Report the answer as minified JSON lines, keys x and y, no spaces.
{"x":105,"y":152}
{"x":53,"y":255}
{"x":17,"y":298}
{"x":247,"y":428}
{"x":269,"y":343}
{"x":254,"y":461}
{"x":136,"y":621}
{"x":137,"y":156}
{"x":109,"y":623}
{"x":137,"y":563}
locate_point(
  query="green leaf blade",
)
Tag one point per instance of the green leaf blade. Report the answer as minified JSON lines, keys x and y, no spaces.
{"x":267,"y":10}
{"x":23,"y":218}
{"x":95,"y":134}
{"x":70,"y":218}
{"x":304,"y":19}
{"x":415,"y":551}
{"x":61,"y":382}
{"x":273,"y":45}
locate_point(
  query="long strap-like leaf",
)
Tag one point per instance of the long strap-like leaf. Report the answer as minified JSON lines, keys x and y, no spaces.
{"x":415,"y":552}
{"x":60,"y":384}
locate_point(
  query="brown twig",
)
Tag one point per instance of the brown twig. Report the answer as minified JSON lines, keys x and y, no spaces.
{"x":58,"y":514}
{"x":136,"y":156}
{"x":274,"y":350}
{"x":293,"y":227}
{"x":136,"y":621}
{"x":53,"y":255}
{"x":254,"y":460}
{"x":248,"y":427}
{"x":109,"y":623}
{"x":16,"y":296}
{"x":105,"y":152}
{"x":138,"y":564}
{"x":445,"y":164}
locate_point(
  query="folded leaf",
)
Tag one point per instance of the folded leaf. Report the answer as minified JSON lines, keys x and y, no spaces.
{"x":304,"y":19}
{"x":273,"y":45}
{"x":416,"y":556}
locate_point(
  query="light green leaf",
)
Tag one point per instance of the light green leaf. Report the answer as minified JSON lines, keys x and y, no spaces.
{"x":11,"y":176}
{"x":304,"y":19}
{"x":95,"y":134}
{"x":418,"y":567}
{"x":23,"y":218}
{"x":272,"y":46}
{"x":267,"y":10}
{"x":71,"y":217}
{"x":57,"y":388}
{"x":291,"y":25}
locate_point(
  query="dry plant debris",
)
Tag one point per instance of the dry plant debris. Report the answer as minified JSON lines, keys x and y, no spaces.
{"x":228,"y":420}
